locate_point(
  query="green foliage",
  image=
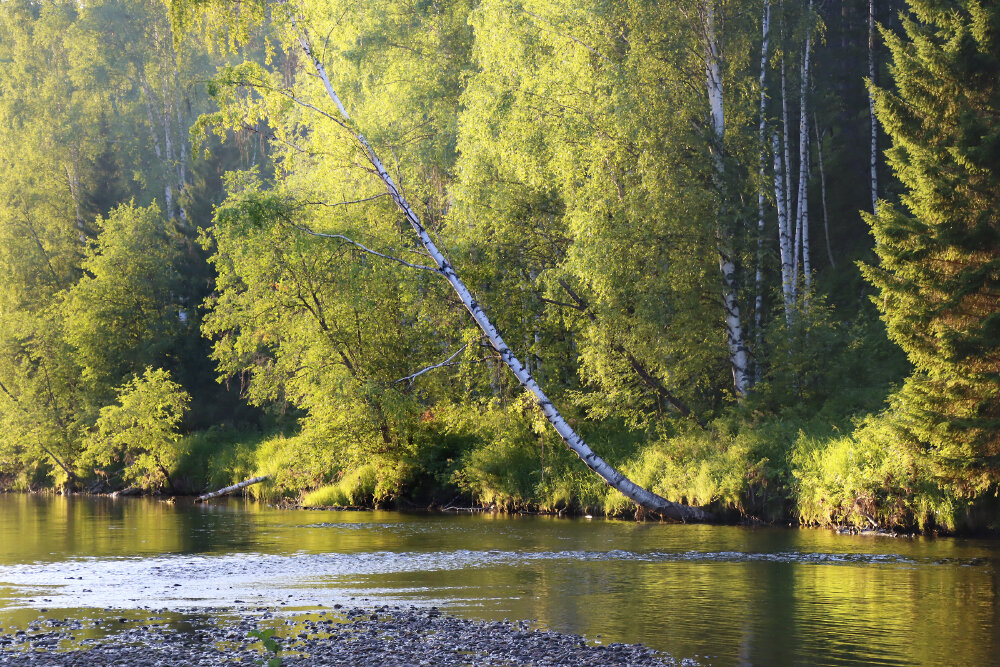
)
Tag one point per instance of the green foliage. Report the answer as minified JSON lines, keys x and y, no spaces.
{"x":584,"y":160}
{"x":140,"y":431}
{"x":123,"y":314}
{"x":560,"y":154}
{"x":355,"y":487}
{"x":939,"y":275}
{"x":868,"y":480}
{"x":270,"y":647}
{"x":737,"y":467}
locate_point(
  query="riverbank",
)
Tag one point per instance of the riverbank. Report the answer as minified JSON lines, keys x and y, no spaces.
{"x":777,"y":471}
{"x":348,"y":636}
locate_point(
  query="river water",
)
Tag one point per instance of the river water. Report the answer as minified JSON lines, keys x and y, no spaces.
{"x":719,"y":595}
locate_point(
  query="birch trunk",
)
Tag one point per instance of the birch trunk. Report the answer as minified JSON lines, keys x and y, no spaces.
{"x":761,"y":167}
{"x":182,"y":161}
{"x":149,"y":99}
{"x":802,"y":219}
{"x":871,"y":105}
{"x":787,"y":166}
{"x":640,"y":496}
{"x":738,"y":357}
{"x":231,"y":489}
{"x":168,"y":153}
{"x":784,"y":233}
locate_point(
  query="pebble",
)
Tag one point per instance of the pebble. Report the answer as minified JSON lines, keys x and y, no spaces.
{"x":376,"y":637}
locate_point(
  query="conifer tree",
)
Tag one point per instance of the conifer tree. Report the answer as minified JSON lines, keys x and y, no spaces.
{"x":940,"y":249}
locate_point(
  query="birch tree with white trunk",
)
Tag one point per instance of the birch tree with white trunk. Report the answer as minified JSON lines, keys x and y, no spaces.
{"x":738,"y":357}
{"x":761,"y":169}
{"x":873,"y":155}
{"x":786,"y":169}
{"x":339,"y":115}
{"x":802,"y":217}
{"x":784,"y":232}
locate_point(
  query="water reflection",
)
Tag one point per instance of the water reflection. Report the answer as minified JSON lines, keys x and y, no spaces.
{"x":723,"y":595}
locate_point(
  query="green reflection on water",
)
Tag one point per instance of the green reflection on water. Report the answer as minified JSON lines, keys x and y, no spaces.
{"x":724,"y":595}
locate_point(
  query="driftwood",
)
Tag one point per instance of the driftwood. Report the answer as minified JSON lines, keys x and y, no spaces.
{"x":130,"y":491}
{"x":234,"y":487}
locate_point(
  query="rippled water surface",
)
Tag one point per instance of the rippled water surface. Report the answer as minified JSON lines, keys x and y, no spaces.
{"x":721,"y":595}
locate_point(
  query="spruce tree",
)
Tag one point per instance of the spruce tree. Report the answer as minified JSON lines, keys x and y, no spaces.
{"x":939,"y":275}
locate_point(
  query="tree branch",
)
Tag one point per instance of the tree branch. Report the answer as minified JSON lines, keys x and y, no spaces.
{"x":346,"y":203}
{"x":364,"y":248}
{"x":446,"y":362}
{"x":647,"y":378}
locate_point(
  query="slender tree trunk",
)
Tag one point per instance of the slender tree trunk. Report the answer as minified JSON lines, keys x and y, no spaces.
{"x":640,"y":496}
{"x":802,"y":220}
{"x":168,"y":151}
{"x":149,"y":98}
{"x":182,"y":160}
{"x":784,"y":233}
{"x":871,"y":105}
{"x":786,"y":171}
{"x":738,"y":357}
{"x":641,"y":371}
{"x":761,"y":169}
{"x":822,"y":189}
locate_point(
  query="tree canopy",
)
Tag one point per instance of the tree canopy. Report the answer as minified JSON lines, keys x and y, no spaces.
{"x":660,"y":206}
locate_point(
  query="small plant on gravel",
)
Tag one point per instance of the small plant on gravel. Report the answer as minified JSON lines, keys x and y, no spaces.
{"x":271,"y":647}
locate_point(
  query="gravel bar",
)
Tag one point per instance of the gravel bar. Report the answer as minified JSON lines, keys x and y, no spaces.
{"x":376,"y":637}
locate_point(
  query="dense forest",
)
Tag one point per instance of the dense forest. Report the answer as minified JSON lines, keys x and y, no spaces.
{"x":749,"y":248}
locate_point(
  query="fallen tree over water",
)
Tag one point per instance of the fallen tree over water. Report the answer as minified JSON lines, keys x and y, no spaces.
{"x":230,"y":489}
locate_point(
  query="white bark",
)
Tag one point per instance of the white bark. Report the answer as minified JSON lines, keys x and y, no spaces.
{"x":762,"y":165}
{"x":149,"y":98}
{"x":182,"y":161}
{"x":802,"y":219}
{"x":871,"y":105}
{"x":162,"y":111}
{"x":784,"y":232}
{"x":168,"y":152}
{"x":234,"y":487}
{"x":786,"y":167}
{"x":738,"y":357}
{"x":612,"y":477}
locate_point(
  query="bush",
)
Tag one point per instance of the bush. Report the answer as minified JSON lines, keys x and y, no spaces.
{"x":866,"y":479}
{"x":356,"y":487}
{"x":139,"y":432}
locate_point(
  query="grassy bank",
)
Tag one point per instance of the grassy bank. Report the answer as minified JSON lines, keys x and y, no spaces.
{"x":800,"y":470}
{"x":813,"y":470}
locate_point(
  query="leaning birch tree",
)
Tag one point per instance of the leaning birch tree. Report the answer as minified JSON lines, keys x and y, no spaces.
{"x":293,"y":25}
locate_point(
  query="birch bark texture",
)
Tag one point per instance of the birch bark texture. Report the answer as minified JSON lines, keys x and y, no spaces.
{"x":644,"y":498}
{"x":802,"y":218}
{"x":871,"y":106}
{"x":761,"y":170}
{"x":738,"y":357}
{"x":784,"y":231}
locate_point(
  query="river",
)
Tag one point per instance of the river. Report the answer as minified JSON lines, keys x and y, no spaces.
{"x":720,"y":595}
